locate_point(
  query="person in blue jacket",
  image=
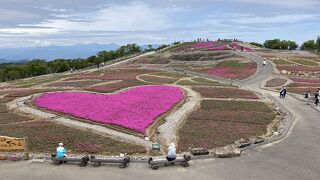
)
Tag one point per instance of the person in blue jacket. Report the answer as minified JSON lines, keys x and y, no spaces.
{"x":61,"y":151}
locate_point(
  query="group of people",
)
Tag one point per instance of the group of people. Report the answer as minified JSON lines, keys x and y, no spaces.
{"x":61,"y":152}
{"x":308,"y":97}
{"x":283,"y":92}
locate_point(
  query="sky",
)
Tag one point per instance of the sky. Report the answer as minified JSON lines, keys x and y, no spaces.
{"x":30,"y":23}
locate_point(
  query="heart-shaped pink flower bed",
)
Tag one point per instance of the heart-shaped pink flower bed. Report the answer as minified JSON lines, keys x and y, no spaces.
{"x":135,"y":108}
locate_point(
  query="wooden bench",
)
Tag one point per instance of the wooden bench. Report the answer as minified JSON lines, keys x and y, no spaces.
{"x":123,"y":161}
{"x":179,"y":160}
{"x":82,"y":161}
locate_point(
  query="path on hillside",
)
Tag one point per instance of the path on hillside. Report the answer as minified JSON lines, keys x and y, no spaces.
{"x":295,"y":157}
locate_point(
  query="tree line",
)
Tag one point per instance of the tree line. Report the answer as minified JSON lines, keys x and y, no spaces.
{"x":37,"y":67}
{"x":277,"y":44}
{"x":312,"y":45}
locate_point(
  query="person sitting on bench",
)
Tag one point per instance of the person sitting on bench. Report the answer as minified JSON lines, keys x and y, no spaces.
{"x":61,"y":151}
{"x":171,"y":156}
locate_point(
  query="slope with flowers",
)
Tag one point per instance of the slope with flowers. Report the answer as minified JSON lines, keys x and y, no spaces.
{"x":135,"y":98}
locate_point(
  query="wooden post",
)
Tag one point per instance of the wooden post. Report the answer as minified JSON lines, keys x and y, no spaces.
{"x":26,"y":148}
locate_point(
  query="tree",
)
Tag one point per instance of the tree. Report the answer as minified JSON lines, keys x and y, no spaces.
{"x":58,"y":65}
{"x":272,"y":44}
{"x":278,"y":44}
{"x":162,"y":47}
{"x":317,"y":44}
{"x":37,"y":67}
{"x":308,"y":45}
{"x":292,"y":45}
{"x":256,"y":44}
{"x":95,"y":60}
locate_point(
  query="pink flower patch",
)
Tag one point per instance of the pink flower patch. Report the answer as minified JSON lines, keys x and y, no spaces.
{"x":4,"y":86}
{"x":304,"y":80}
{"x":220,"y":48}
{"x":238,"y":47}
{"x":204,"y":44}
{"x":135,"y":108}
{"x":234,"y":73}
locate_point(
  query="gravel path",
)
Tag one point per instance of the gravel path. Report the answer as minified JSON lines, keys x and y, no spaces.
{"x":169,"y":129}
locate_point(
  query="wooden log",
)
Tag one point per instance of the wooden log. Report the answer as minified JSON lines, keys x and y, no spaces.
{"x":179,"y":160}
{"x":123,"y":161}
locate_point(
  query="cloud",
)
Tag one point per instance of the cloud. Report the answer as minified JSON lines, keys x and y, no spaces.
{"x":65,"y":22}
{"x":135,"y":16}
{"x":274,"y":19}
{"x":284,"y":3}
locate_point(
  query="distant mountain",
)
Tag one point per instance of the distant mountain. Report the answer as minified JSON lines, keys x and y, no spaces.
{"x":53,"y":52}
{"x":22,"y":55}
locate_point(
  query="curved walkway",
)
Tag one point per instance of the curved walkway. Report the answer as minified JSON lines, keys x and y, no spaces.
{"x":295,"y":157}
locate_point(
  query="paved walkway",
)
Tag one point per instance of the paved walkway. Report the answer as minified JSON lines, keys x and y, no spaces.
{"x":296,"y":157}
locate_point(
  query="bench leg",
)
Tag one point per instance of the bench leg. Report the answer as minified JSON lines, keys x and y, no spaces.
{"x":57,"y":163}
{"x":154,"y":167}
{"x":96,"y":164}
{"x":123,"y":165}
{"x":185,"y":164}
{"x":82,"y":164}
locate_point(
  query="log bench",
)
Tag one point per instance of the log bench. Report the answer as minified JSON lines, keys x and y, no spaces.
{"x":155,"y":163}
{"x":123,"y":161}
{"x":82,"y":161}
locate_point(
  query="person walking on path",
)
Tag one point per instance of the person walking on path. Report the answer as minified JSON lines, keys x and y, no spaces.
{"x":308,"y":97}
{"x":317,"y":97}
{"x":283,"y":92}
{"x":264,"y":62}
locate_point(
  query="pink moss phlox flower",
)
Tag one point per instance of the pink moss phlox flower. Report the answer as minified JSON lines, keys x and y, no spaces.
{"x":135,"y":108}
{"x":238,"y":47}
{"x":220,"y":48}
{"x":204,"y":44}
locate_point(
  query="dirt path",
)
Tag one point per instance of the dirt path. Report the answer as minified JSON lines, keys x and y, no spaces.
{"x":169,"y":129}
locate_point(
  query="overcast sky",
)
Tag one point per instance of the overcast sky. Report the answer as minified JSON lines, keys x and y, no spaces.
{"x":67,"y":22}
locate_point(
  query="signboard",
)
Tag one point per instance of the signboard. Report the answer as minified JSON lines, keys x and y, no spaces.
{"x":156,"y":147}
{"x":10,"y":143}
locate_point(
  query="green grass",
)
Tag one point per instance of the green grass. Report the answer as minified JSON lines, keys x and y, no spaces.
{"x":43,"y":138}
{"x":282,"y":62}
{"x":170,"y":74}
{"x":35,"y":81}
{"x":275,"y":82}
{"x":175,"y":47}
{"x":232,"y":64}
{"x":305,"y":62}
{"x":224,"y":122}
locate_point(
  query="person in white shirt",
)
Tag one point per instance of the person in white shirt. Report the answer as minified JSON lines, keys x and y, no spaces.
{"x":264,"y":62}
{"x":171,"y":156}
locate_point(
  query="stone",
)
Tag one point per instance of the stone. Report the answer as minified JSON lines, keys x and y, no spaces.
{"x":221,"y":153}
{"x":227,"y":152}
{"x":242,"y":143}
